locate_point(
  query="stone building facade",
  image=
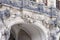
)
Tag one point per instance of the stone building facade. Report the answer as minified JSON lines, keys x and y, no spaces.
{"x":29,"y":20}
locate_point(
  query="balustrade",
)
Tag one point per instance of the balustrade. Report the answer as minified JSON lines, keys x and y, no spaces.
{"x":31,"y":5}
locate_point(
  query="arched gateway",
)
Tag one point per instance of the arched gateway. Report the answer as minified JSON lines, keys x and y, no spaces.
{"x":23,"y":27}
{"x":25,"y":24}
{"x":24,"y":31}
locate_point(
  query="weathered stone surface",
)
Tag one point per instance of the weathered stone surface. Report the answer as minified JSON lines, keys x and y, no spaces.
{"x":36,"y":26}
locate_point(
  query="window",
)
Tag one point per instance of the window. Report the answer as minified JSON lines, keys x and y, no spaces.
{"x":0,"y":5}
{"x":33,"y":0}
{"x":58,"y":4}
{"x":45,"y":2}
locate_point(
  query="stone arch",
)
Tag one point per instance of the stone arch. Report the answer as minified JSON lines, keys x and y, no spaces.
{"x":35,"y":32}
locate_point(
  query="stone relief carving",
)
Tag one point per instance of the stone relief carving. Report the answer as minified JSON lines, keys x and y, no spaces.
{"x":29,"y":18}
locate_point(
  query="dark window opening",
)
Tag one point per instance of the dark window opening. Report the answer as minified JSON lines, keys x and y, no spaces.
{"x":33,"y":0}
{"x":0,"y":5}
{"x":11,"y":37}
{"x":58,"y":4}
